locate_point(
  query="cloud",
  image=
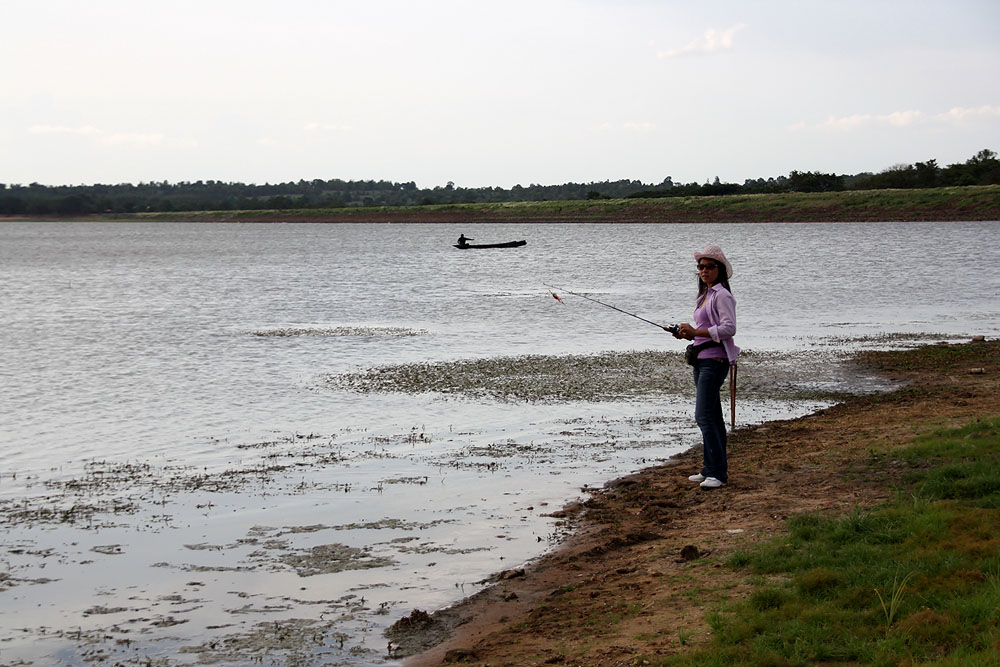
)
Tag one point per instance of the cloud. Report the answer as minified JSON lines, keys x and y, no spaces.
{"x":712,"y":41}
{"x":965,"y":113}
{"x":629,"y":126}
{"x":135,"y":139}
{"x":855,"y":121}
{"x":639,"y":127}
{"x":327,"y":127}
{"x":59,"y":129}
{"x":128,"y":139}
{"x":899,"y":119}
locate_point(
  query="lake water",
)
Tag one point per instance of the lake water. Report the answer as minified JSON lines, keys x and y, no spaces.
{"x":177,"y":467}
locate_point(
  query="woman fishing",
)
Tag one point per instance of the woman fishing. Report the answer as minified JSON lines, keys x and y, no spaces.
{"x":712,"y":354}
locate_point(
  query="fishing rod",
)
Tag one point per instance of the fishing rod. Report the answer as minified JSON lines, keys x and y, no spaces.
{"x":672,"y":328}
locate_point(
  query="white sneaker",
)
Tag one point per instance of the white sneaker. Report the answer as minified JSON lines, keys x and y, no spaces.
{"x":697,"y":478}
{"x":711,"y":483}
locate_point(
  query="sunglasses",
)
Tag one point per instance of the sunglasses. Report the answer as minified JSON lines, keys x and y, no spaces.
{"x":707,"y":267}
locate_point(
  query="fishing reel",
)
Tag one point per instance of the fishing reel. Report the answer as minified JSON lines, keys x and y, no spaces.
{"x":672,"y":328}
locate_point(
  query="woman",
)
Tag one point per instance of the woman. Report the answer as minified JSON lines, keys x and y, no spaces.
{"x":712,"y":333}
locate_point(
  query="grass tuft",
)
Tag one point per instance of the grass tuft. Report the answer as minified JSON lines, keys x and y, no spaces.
{"x":895,"y":597}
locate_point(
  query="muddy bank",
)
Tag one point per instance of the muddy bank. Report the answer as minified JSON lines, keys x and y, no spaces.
{"x":644,"y":564}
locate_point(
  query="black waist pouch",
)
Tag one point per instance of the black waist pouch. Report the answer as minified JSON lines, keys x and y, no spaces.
{"x":691,"y":351}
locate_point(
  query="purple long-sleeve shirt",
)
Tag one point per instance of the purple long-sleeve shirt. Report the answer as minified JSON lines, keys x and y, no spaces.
{"x":718,"y":315}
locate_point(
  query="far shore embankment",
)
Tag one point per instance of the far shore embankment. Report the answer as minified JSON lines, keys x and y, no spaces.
{"x":948,"y":204}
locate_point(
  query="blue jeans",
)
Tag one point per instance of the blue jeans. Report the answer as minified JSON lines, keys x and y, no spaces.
{"x":709,"y":375}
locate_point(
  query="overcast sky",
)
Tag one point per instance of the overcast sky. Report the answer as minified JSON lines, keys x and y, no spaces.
{"x":486,"y":92}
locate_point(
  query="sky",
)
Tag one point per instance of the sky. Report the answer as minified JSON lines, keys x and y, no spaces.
{"x":490,"y":93}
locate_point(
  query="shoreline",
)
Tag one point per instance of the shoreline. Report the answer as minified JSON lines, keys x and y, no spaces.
{"x":643,"y":565}
{"x":112,"y":498}
{"x":154,"y":516}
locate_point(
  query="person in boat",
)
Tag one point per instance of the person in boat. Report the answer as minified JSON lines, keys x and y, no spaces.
{"x":712,"y":353}
{"x":462,"y":240}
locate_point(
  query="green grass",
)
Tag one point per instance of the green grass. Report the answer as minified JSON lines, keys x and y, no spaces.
{"x":913,"y":581}
{"x":950,"y":203}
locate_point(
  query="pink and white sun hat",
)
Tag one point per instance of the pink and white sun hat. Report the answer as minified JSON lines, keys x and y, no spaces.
{"x":715,"y":252}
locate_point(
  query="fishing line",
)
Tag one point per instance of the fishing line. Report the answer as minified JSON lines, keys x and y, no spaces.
{"x":672,"y":328}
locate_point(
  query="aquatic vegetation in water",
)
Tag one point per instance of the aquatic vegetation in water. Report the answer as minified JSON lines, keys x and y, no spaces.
{"x":611,"y":376}
{"x":327,"y":558}
{"x":606,"y":376}
{"x":349,"y":332}
{"x":884,"y":340}
{"x":298,"y":641}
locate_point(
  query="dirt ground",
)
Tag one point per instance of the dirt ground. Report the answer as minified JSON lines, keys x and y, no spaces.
{"x":644,"y":563}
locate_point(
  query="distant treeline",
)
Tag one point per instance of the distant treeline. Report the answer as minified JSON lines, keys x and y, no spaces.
{"x":70,"y":200}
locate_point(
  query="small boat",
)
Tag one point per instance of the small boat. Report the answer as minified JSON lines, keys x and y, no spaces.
{"x":510,"y":244}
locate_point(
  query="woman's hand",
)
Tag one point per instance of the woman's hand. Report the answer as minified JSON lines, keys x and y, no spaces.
{"x":685,"y":331}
